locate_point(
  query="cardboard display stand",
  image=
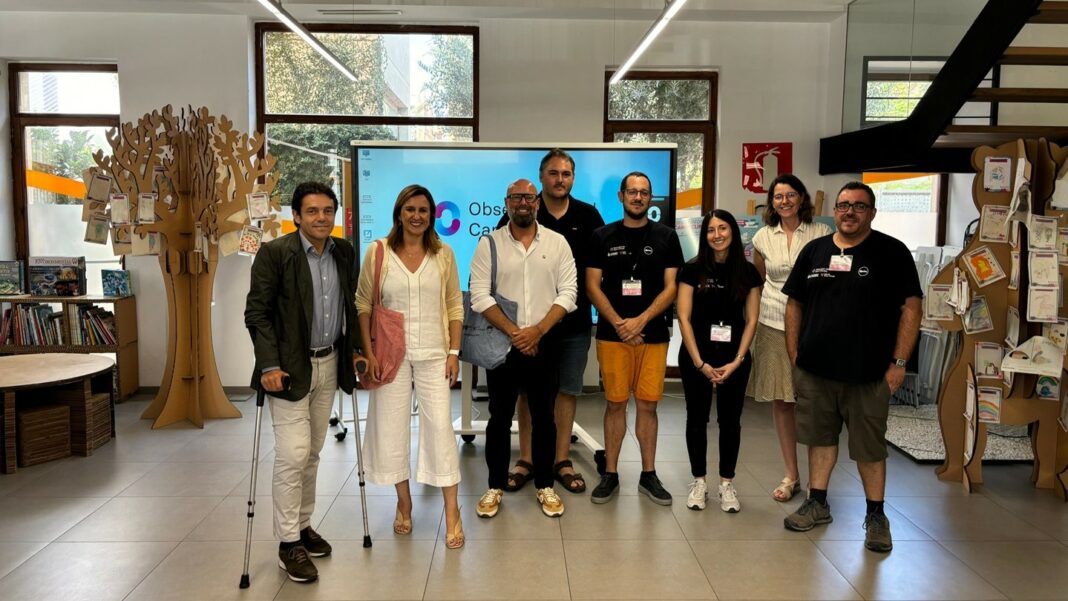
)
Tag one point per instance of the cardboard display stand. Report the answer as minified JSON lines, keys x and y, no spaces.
{"x":198,"y":171}
{"x":1021,"y":404}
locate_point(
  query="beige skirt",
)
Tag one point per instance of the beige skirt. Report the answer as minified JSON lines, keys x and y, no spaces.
{"x":770,"y":378}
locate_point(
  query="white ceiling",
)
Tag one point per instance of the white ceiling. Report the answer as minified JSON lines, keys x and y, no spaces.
{"x":447,"y":11}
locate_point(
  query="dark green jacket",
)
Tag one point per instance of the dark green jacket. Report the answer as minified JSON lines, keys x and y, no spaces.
{"x":278,"y":313}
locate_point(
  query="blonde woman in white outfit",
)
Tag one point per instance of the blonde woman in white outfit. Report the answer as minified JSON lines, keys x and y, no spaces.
{"x":788,"y":228}
{"x":418,"y":279}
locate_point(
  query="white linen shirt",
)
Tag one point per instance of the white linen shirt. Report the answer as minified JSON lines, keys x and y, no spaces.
{"x":770,"y":242}
{"x":418,"y":296}
{"x":536,"y":278}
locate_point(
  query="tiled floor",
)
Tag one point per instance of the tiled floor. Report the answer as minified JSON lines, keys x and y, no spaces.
{"x":158,"y":515}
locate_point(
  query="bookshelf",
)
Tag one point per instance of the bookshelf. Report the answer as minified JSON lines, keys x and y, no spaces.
{"x":125,"y":347}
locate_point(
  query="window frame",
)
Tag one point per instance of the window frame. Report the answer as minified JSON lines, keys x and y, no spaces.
{"x":20,"y":121}
{"x":867,"y":76}
{"x":688,"y":126}
{"x":263,"y":117}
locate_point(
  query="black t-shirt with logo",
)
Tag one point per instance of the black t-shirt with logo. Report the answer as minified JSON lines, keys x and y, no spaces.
{"x":714,"y":303}
{"x":850,"y":317}
{"x":576,"y":226}
{"x":628,"y":255}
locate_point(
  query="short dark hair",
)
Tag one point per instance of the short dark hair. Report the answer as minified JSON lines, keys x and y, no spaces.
{"x":623,"y":182}
{"x":555,"y":153}
{"x":804,"y":211}
{"x":855,"y":185}
{"x":305,"y":188}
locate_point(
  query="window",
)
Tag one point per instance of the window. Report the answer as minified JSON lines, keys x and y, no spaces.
{"x":670,"y":106}
{"x":909,"y":206}
{"x":416,"y":84}
{"x":60,"y":115}
{"x":893,"y":87}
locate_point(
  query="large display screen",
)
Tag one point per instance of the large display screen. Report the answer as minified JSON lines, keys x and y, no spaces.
{"x":469,"y":182}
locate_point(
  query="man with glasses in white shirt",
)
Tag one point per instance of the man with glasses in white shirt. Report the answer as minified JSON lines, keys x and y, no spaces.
{"x":535,"y":269}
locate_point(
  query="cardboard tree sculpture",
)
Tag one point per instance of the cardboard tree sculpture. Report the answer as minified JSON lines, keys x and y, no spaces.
{"x":188,"y":178}
{"x":1010,"y":306}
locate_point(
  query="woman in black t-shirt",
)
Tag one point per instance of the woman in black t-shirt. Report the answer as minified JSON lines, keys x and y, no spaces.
{"x":718,"y":303}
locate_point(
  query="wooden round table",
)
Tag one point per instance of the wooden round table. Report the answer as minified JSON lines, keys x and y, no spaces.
{"x":62,"y":372}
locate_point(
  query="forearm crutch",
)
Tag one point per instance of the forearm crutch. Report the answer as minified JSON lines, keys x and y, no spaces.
{"x":260,"y":394}
{"x":360,"y":367}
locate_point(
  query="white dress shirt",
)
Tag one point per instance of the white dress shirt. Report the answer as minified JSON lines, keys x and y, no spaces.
{"x":536,"y":278}
{"x":770,"y":242}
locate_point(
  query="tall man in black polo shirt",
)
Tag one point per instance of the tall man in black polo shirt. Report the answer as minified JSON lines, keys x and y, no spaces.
{"x":852,"y":319}
{"x":630,"y":278}
{"x":576,"y":221}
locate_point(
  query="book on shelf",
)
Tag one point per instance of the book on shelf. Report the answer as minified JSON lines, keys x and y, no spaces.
{"x":93,"y":326}
{"x":116,"y":282}
{"x":12,"y":278}
{"x":56,"y":276}
{"x":33,"y":324}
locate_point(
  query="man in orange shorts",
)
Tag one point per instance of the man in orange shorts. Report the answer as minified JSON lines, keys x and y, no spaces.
{"x":630,"y":278}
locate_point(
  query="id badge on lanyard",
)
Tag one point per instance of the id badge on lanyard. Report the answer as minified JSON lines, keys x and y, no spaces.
{"x":721,"y":333}
{"x":841,"y":262}
{"x":632,"y":287}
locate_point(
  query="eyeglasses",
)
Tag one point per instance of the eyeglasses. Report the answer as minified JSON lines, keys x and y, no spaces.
{"x":790,"y":195}
{"x":528,"y":198}
{"x":635,"y":192}
{"x":859,"y":207}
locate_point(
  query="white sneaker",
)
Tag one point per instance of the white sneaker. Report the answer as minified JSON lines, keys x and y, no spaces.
{"x":698,"y":495}
{"x":490,"y":503}
{"x":728,"y":498}
{"x":551,"y":503}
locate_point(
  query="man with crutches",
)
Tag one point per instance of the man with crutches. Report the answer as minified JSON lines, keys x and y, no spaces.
{"x":301,"y":314}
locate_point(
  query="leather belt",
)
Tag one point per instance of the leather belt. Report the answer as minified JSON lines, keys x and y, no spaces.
{"x":317,"y":353}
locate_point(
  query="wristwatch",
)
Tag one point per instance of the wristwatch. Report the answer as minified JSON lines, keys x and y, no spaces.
{"x":900,"y":362}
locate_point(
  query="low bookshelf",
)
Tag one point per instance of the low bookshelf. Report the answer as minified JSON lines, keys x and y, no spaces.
{"x":124,"y":349}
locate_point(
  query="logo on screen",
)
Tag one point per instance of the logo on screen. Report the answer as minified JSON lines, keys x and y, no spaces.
{"x":454,"y":226}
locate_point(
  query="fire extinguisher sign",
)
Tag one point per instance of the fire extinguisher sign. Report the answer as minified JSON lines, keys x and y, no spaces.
{"x":763,"y":162}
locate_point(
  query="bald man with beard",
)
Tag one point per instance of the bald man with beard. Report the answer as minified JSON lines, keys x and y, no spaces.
{"x":535,"y":269}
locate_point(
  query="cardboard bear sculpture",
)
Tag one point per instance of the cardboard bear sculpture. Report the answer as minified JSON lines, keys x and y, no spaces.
{"x":1010,"y":306}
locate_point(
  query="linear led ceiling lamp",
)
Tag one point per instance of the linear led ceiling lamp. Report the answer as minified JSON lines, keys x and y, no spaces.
{"x":289,"y":21}
{"x":671,"y":8}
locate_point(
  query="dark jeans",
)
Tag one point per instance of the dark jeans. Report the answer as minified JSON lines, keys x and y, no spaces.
{"x":538,"y":377}
{"x":730,"y":396}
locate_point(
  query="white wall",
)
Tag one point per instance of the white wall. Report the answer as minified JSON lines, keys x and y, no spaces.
{"x":7,"y":211}
{"x":540,"y":80}
{"x":543,"y":80}
{"x":162,"y":59}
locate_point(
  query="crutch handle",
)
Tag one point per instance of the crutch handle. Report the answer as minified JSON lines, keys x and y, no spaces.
{"x":361,"y":366}
{"x":260,"y":395}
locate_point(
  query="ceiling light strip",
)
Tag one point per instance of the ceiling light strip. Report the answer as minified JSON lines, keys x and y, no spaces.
{"x":289,"y":21}
{"x":670,"y":10}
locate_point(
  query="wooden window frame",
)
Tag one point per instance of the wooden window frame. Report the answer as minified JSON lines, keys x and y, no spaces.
{"x":20,"y":121}
{"x":263,"y":117}
{"x":690,"y":126}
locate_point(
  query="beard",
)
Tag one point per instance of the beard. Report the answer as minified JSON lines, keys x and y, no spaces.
{"x":522,"y":219}
{"x":635,"y":215}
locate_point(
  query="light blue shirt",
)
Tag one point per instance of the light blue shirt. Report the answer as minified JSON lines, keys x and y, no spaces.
{"x":327,"y":310}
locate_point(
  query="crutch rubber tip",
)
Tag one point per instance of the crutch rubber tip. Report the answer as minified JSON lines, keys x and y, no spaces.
{"x":367,"y":541}
{"x":244,"y":581}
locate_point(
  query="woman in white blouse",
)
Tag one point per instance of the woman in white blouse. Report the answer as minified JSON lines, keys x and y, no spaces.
{"x":788,"y":228}
{"x":418,"y":279}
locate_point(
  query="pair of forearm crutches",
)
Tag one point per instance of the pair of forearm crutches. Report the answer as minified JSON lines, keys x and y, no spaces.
{"x":260,"y":394}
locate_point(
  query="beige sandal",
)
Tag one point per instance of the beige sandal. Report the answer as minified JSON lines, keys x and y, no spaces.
{"x":402,"y":525}
{"x":454,"y":539}
{"x":786,"y":490}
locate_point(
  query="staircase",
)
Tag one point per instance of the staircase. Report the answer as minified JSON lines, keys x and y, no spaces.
{"x":928,"y":141}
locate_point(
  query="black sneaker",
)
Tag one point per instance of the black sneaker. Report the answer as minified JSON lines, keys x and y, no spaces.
{"x":808,"y":516}
{"x":297,"y":564}
{"x":314,"y":544}
{"x":877,"y":535}
{"x":650,"y":486}
{"x":608,"y":486}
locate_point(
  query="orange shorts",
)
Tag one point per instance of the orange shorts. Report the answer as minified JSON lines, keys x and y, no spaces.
{"x":627,"y":368}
